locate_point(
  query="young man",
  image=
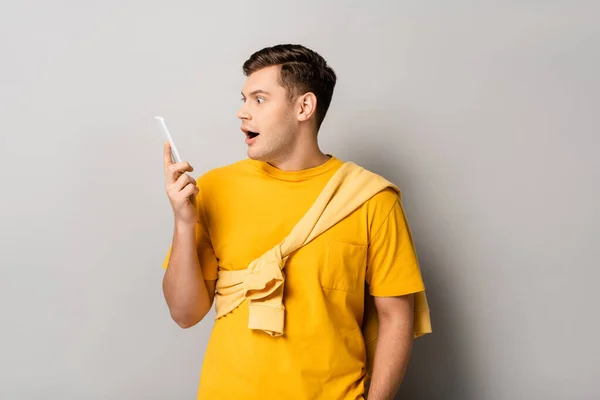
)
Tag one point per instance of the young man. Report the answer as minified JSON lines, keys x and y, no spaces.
{"x":232,"y":215}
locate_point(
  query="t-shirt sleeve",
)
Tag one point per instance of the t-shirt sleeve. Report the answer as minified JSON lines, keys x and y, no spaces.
{"x":206,"y":255}
{"x":392,"y":265}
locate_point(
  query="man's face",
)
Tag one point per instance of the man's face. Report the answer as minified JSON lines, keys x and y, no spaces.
{"x":267,"y":115}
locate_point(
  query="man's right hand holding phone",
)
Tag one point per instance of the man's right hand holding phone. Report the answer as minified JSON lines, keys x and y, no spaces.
{"x":181,"y":189}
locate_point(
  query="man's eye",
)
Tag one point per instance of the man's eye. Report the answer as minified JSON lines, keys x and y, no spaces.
{"x":260,"y":99}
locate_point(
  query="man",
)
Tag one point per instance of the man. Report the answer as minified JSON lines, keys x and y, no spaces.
{"x":231,"y":215}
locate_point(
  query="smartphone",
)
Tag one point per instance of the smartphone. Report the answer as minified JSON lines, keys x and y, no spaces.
{"x":174,"y":153}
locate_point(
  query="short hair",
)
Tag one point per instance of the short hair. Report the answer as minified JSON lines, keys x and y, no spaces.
{"x":302,"y":70}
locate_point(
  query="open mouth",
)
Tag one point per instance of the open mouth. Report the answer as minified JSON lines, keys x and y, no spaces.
{"x":250,"y":135}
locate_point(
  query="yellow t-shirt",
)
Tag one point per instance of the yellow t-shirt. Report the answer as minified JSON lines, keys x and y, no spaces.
{"x":247,"y":208}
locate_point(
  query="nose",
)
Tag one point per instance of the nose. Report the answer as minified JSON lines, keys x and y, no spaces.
{"x":242,"y":113}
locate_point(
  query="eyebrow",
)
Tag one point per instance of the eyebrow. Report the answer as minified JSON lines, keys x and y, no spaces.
{"x":255,"y":92}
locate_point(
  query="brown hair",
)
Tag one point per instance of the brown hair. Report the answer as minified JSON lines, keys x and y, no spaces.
{"x":302,"y":70}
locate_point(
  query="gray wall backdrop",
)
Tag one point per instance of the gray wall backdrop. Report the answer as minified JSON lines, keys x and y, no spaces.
{"x":485,"y":113}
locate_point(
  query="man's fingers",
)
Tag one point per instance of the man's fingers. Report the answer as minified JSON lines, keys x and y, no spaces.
{"x":169,"y":164}
{"x":184,"y":180}
{"x":190,"y":190}
{"x":182,"y":167}
{"x":174,"y":171}
{"x":167,"y":154}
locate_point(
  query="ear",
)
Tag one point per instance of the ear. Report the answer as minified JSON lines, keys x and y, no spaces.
{"x":308,"y":106}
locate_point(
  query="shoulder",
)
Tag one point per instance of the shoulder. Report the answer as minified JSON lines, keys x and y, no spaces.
{"x":215,"y":177}
{"x":380,"y":206}
{"x":383,"y":203}
{"x":385,"y":198}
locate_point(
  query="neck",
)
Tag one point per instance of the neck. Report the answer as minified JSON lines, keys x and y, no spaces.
{"x":304,"y":154}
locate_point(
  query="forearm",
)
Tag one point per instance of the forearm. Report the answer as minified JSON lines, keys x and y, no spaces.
{"x":392,"y":353}
{"x":184,"y":288}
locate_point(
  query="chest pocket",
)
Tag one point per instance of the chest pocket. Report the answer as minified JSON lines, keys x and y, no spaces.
{"x":344,"y":266}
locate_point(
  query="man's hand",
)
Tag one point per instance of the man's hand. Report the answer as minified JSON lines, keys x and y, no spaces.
{"x":394,"y":345}
{"x":181,"y":189}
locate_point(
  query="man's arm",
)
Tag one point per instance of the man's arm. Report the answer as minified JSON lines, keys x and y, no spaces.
{"x":394,"y":345}
{"x":393,"y":277}
{"x":187,"y":294}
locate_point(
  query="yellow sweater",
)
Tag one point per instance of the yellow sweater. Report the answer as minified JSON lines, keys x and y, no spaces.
{"x":262,"y":283}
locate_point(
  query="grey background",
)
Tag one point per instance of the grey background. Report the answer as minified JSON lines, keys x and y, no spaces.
{"x":485,"y":113}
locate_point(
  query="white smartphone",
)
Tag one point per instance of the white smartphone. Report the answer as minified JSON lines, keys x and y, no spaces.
{"x":174,"y":153}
